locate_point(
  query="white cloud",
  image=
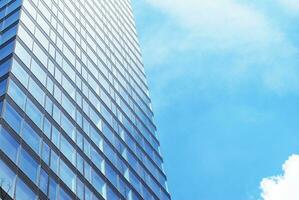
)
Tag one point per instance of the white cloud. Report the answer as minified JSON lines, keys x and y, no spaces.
{"x":222,"y":22}
{"x":284,"y":187}
{"x":292,"y":5}
{"x":259,"y":51}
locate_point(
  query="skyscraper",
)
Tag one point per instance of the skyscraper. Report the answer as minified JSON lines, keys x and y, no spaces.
{"x":76,"y":118}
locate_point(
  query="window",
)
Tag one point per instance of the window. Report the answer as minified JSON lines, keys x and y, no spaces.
{"x":17,"y":94}
{"x":88,"y":194}
{"x":23,"y":192}
{"x":54,"y":162}
{"x":38,"y":72}
{"x":98,"y":183}
{"x":22,"y":54}
{"x":28,"y":165}
{"x":68,"y":150}
{"x":80,"y":189}
{"x":46,"y":153}
{"x":87,"y":171}
{"x":63,"y":195}
{"x":8,"y":145}
{"x":67,"y":176}
{"x":67,"y":126}
{"x":26,"y":38}
{"x":52,"y":189}
{"x":7,"y":177}
{"x":111,"y":174}
{"x":68,"y":106}
{"x":55,"y":136}
{"x":31,"y":137}
{"x":3,"y":87}
{"x":36,"y":91}
{"x":12,"y":118}
{"x":40,"y":54}
{"x":47,"y":128}
{"x":97,"y":159}
{"x":43,"y":181}
{"x":20,"y":73}
{"x":48,"y":105}
{"x":111,"y":195}
{"x":80,"y":140}
{"x":80,"y":163}
{"x":34,"y":114}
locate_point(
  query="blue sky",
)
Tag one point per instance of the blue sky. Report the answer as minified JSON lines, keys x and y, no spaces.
{"x":223,"y":76}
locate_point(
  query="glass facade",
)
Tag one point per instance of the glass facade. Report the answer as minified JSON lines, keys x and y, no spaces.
{"x":76,"y":118}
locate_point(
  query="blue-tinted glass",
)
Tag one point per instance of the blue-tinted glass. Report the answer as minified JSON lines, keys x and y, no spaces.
{"x":34,"y":114}
{"x":22,"y":54}
{"x":54,"y":161}
{"x":36,"y":91}
{"x":7,"y":178}
{"x":47,"y":128}
{"x":46,"y":153}
{"x":87,"y":171}
{"x":28,"y":165}
{"x":98,"y":182}
{"x":12,"y":118}
{"x":68,"y":150}
{"x":52,"y":190}
{"x":80,"y":163}
{"x":4,"y":67}
{"x":111,"y":174}
{"x":20,"y":73}
{"x":10,"y":20}
{"x":67,"y":126}
{"x":111,"y":194}
{"x":43,"y":181}
{"x":67,"y":176}
{"x":80,"y":140}
{"x":56,"y":114}
{"x":86,"y":147}
{"x":8,"y":145}
{"x":55,"y":136}
{"x":6,"y":50}
{"x":97,"y":159}
{"x":3,"y":87}
{"x":23,"y":192}
{"x":88,"y":194}
{"x":31,"y":137}
{"x":17,"y":94}
{"x":63,"y":195}
{"x":80,"y":189}
{"x":8,"y":34}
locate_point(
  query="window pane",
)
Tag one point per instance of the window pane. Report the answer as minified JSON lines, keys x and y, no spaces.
{"x":67,"y":176}
{"x":68,"y":150}
{"x":23,"y":192}
{"x":28,"y":165}
{"x":43,"y":181}
{"x":63,"y":195}
{"x":17,"y":95}
{"x":98,"y":182}
{"x":20,"y":73}
{"x":7,"y":178}
{"x":80,"y":189}
{"x":3,"y":87}
{"x":46,"y":153}
{"x":52,"y":190}
{"x":54,"y":161}
{"x":12,"y":118}
{"x":31,"y":137}
{"x":34,"y":114}
{"x":36,"y":91}
{"x":8,"y":145}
